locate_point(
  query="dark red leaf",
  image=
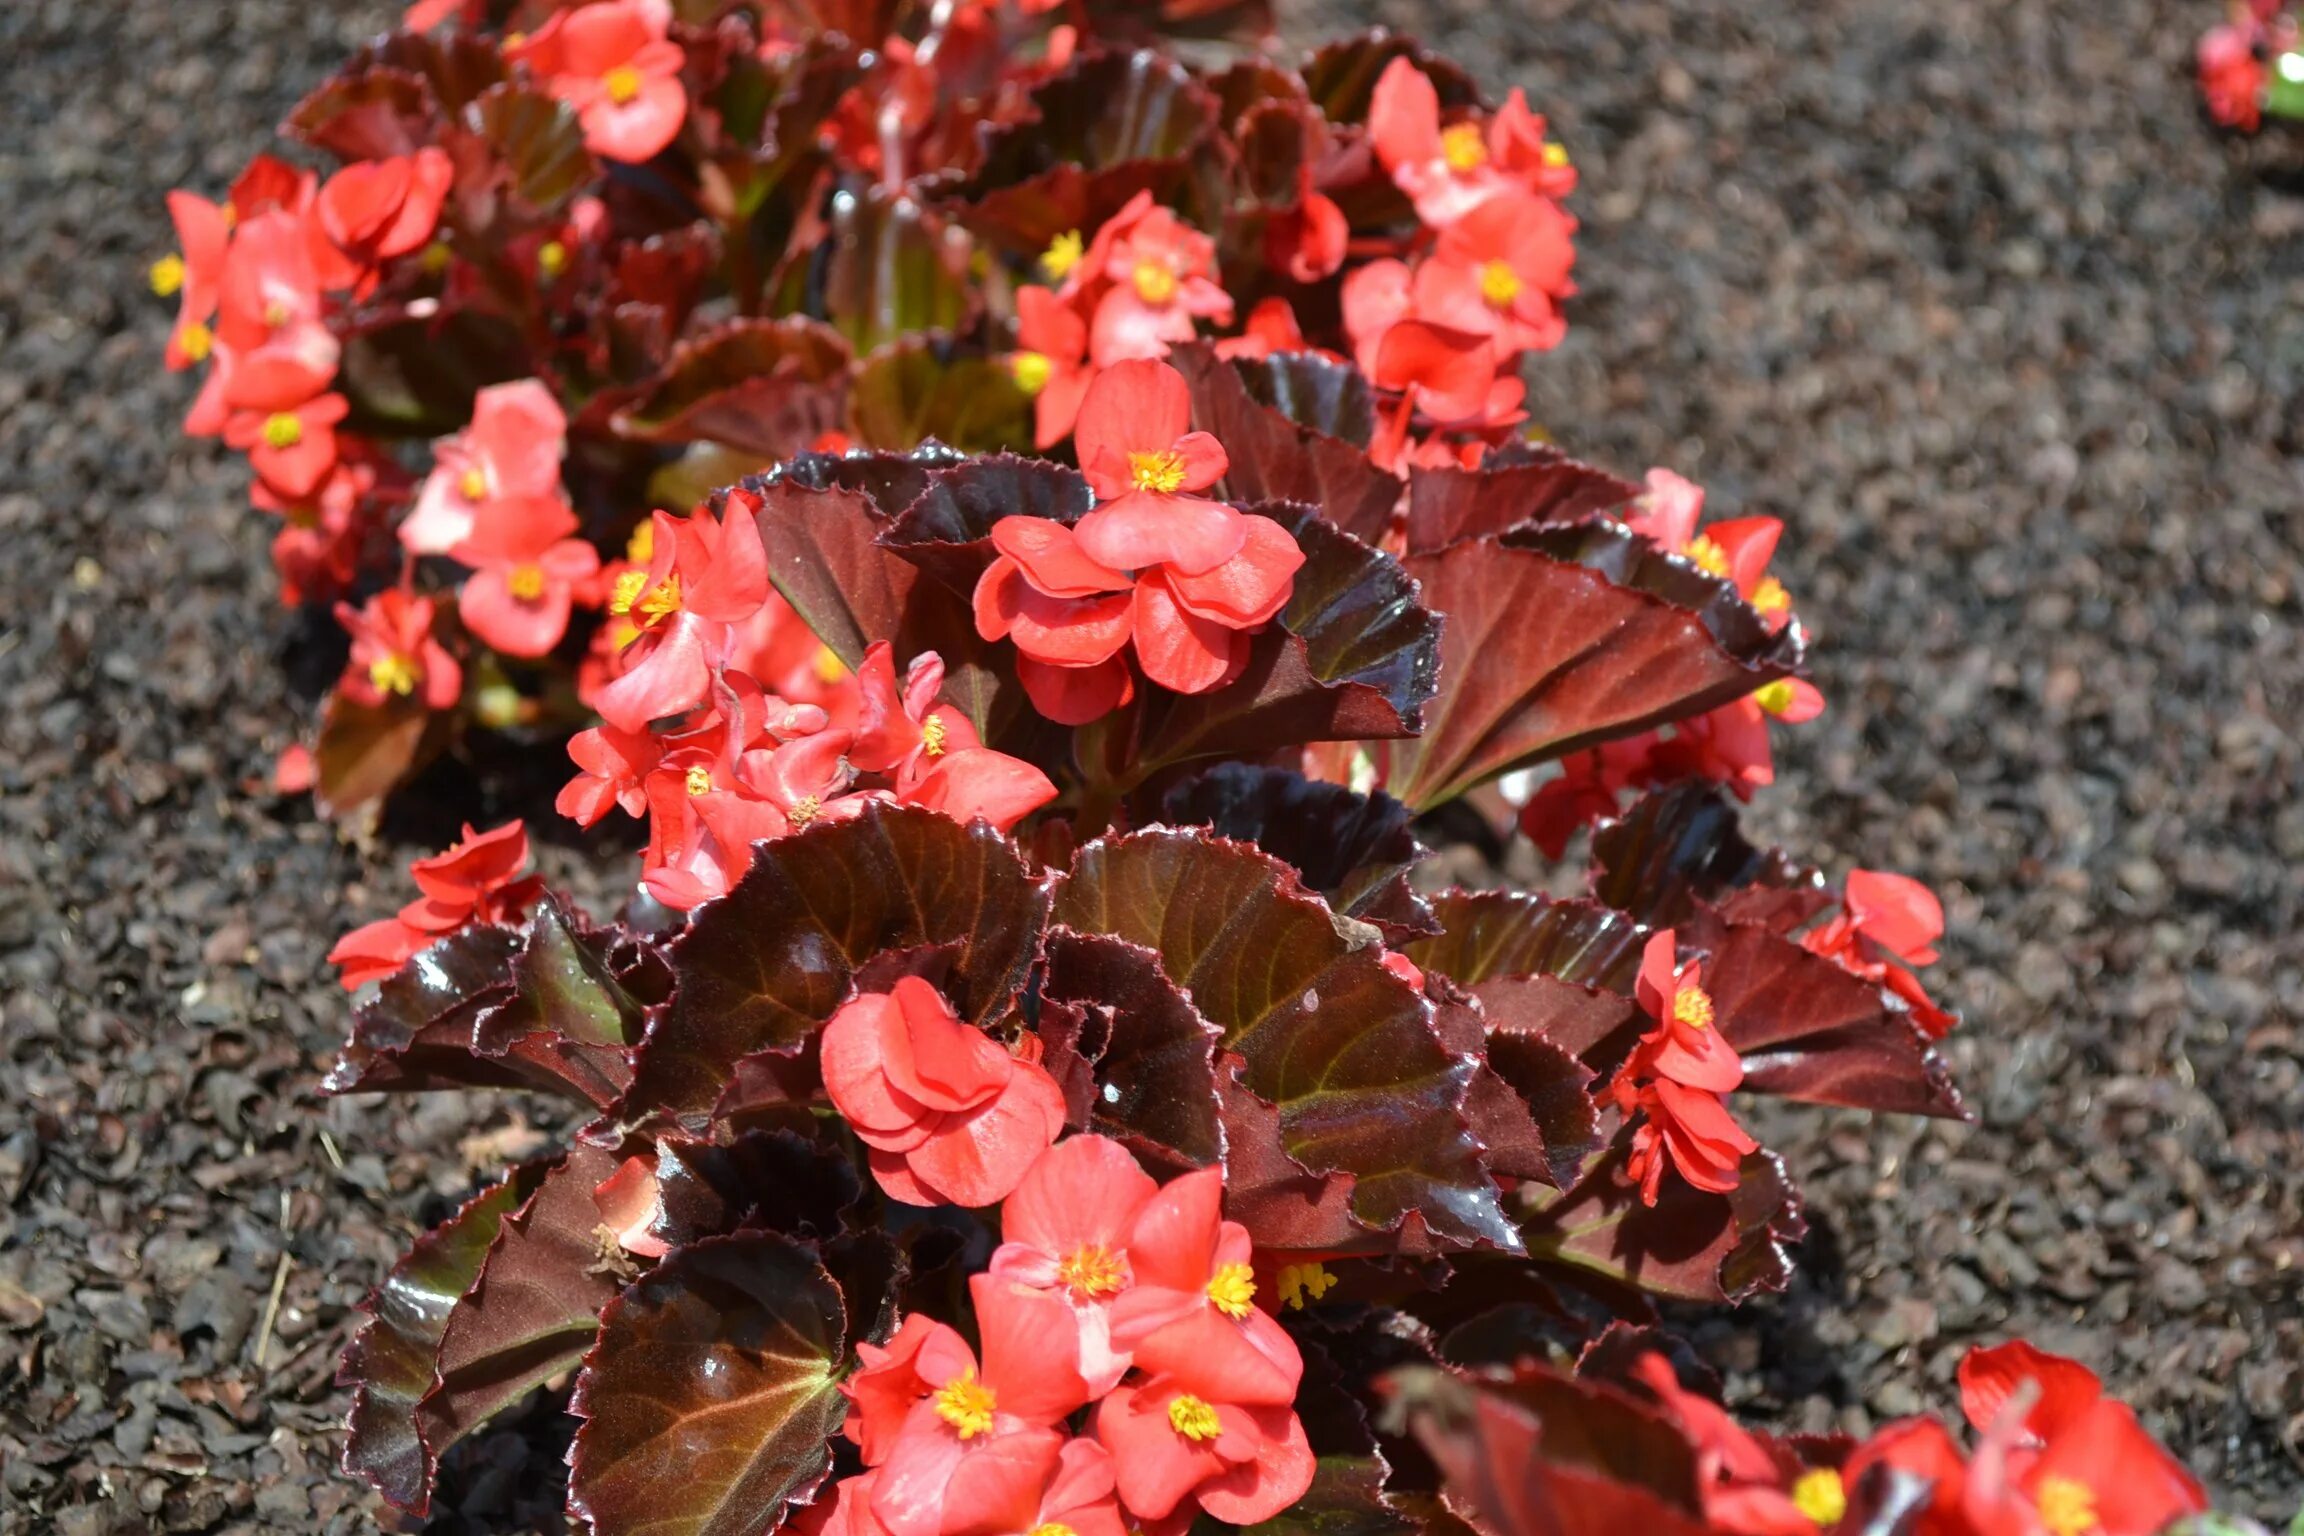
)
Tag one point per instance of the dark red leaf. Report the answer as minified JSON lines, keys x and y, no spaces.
{"x":773,"y":1180}
{"x":534,"y":1309}
{"x":1527,"y":485}
{"x":365,"y":112}
{"x":1558,"y":638}
{"x":763,"y":966}
{"x":1681,"y":846}
{"x":538,"y":143}
{"x":389,"y":1365}
{"x":769,"y":387}
{"x":1143,"y":1052}
{"x":1488,"y":934}
{"x":1691,"y":1244}
{"x":1343,"y":1048}
{"x":1529,"y":1101}
{"x":947,"y":529}
{"x":711,"y":1398}
{"x":416,"y":375}
{"x":1295,"y":428}
{"x":415,"y":1033}
{"x":365,"y":751}
{"x":1341,"y":77}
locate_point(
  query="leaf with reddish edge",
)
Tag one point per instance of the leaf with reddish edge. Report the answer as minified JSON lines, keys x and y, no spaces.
{"x":1345,"y":1049}
{"x":1681,"y":846}
{"x":1355,"y":850}
{"x":1355,"y":656}
{"x":534,"y":1309}
{"x":1810,"y":1031}
{"x":773,"y":1180}
{"x":421,"y":1018}
{"x":769,"y":387}
{"x":947,"y":529}
{"x":1516,"y":487}
{"x":1489,"y":934}
{"x":1141,"y":1055}
{"x":918,"y":390}
{"x":880,"y":268}
{"x":1560,"y":638}
{"x":1296,"y":428}
{"x":539,"y":143}
{"x":1341,"y":76}
{"x":389,"y":1363}
{"x":762,"y":967}
{"x":1109,"y":126}
{"x":457,"y":66}
{"x":1249,"y":82}
{"x":1691,"y":1244}
{"x":711,"y":1399}
{"x":562,"y":985}
{"x":366,"y":751}
{"x":365,"y":112}
{"x":1347,"y":1493}
{"x":1529,"y":1102}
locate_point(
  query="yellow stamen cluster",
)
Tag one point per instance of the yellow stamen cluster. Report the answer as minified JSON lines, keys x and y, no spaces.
{"x":282,"y":430}
{"x":1819,"y":1494}
{"x":197,"y":341}
{"x":829,"y":667}
{"x":1155,"y":282}
{"x":1706,"y":552}
{"x":1775,"y":697}
{"x":551,"y":259}
{"x":434,"y":258}
{"x":1300,"y":1283}
{"x":168,"y":275}
{"x":1463,"y":147}
{"x":1092,"y":1272}
{"x":641,"y":547}
{"x":2068,"y":1507}
{"x":1692,"y":1006}
{"x":932,"y":735}
{"x":1232,"y":1290}
{"x":1063,"y":254}
{"x":526,"y":583}
{"x":1499,"y":284}
{"x":1032,"y":370}
{"x":633,"y":596}
{"x":1770,"y":596}
{"x":1555,"y":155}
{"x":805,"y":810}
{"x":1162,"y":471}
{"x":472,"y":485}
{"x":1192,"y":1418}
{"x":698,"y":780}
{"x":1052,"y":1528}
{"x":393,"y":673}
{"x":622,"y":84}
{"x":966,"y":1404}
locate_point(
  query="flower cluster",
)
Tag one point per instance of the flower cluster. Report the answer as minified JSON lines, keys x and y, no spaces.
{"x":477,"y":881}
{"x":2252,"y":65}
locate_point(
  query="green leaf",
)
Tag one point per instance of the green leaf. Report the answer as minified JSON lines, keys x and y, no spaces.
{"x":906,"y":394}
{"x":712,"y":1397}
{"x":881,"y":270}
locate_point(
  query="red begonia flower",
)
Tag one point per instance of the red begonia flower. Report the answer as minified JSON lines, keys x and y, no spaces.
{"x":888,"y":1381}
{"x":613,"y":63}
{"x":614,"y":767}
{"x":375,"y":210}
{"x":1059,"y":631}
{"x":1307,"y":241}
{"x":1191,"y":1313}
{"x":194,"y":275}
{"x":1051,"y":363}
{"x":950,"y":1117}
{"x":630,"y":1202}
{"x":1241,"y":1462}
{"x":704,"y":578}
{"x":512,"y":449}
{"x":1044,"y":1488}
{"x":292,"y":448}
{"x":1270,"y":327}
{"x":1446,"y":172}
{"x":1896,"y":912}
{"x":1668,"y":510}
{"x":1675,"y":1076}
{"x":1691,"y":1128}
{"x":1741,"y":1481}
{"x":1923,"y":1450}
{"x":979,"y":784}
{"x":1684,"y":1046}
{"x":1076,"y":695}
{"x":1162,"y":281}
{"x":394,"y":653}
{"x":903,"y":732}
{"x":1445,"y":373}
{"x":1066,"y":1228}
{"x":477,"y":880}
{"x":268,"y":315}
{"x":1520,"y":148}
{"x":1142,"y":458}
{"x":1376,"y":296}
{"x":527,"y":565}
{"x":2231,"y":77}
{"x":950,"y":1464}
{"x":1500,"y":272}
{"x":1178,"y":648}
{"x":2055,"y":1456}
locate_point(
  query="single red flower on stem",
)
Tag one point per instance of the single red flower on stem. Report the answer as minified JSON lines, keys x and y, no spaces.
{"x":1067,"y":1227}
{"x":477,"y":880}
{"x":512,"y":450}
{"x":614,"y":766}
{"x":375,"y":210}
{"x":1143,"y":460}
{"x":1675,"y":1076}
{"x":1173,"y":1447}
{"x":1162,"y":283}
{"x":949,"y":1116}
{"x":395,"y":654}
{"x":268,"y":315}
{"x":1500,"y":271}
{"x":527,"y":565}
{"x":612,"y":61}
{"x":902,"y":732}
{"x":705,"y":578}
{"x":1307,"y":241}
{"x":291,"y":448}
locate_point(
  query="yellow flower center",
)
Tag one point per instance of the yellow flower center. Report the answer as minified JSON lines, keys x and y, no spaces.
{"x":1162,"y":471}
{"x":2068,"y":1507}
{"x":1770,"y":596}
{"x":1556,"y":156}
{"x":1232,"y":1290}
{"x":552,"y":259}
{"x":1692,"y":1006}
{"x":1775,"y":697}
{"x":1499,"y":284}
{"x":932,"y":743}
{"x":275,"y":315}
{"x":434,"y":258}
{"x":804,"y":811}
{"x":699,"y":780}
{"x":1707,"y":553}
{"x":393,"y":673}
{"x":282,"y":430}
{"x":966,"y":1404}
{"x":622,"y":84}
{"x":641,"y":547}
{"x":1062,"y":255}
{"x":1819,"y":1495}
{"x":1192,"y":1418}
{"x":1032,"y":371}
{"x":197,"y":341}
{"x":1053,"y":1528}
{"x":829,"y":667}
{"x":1155,"y":282}
{"x":526,"y":583}
{"x":1092,"y":1272}
{"x":168,"y":275}
{"x":1463,"y":147}
{"x":1300,"y":1283}
{"x":472,"y":485}
{"x":632,"y":596}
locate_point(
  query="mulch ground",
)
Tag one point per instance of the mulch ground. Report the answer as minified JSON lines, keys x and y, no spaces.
{"x":1962,"y":290}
